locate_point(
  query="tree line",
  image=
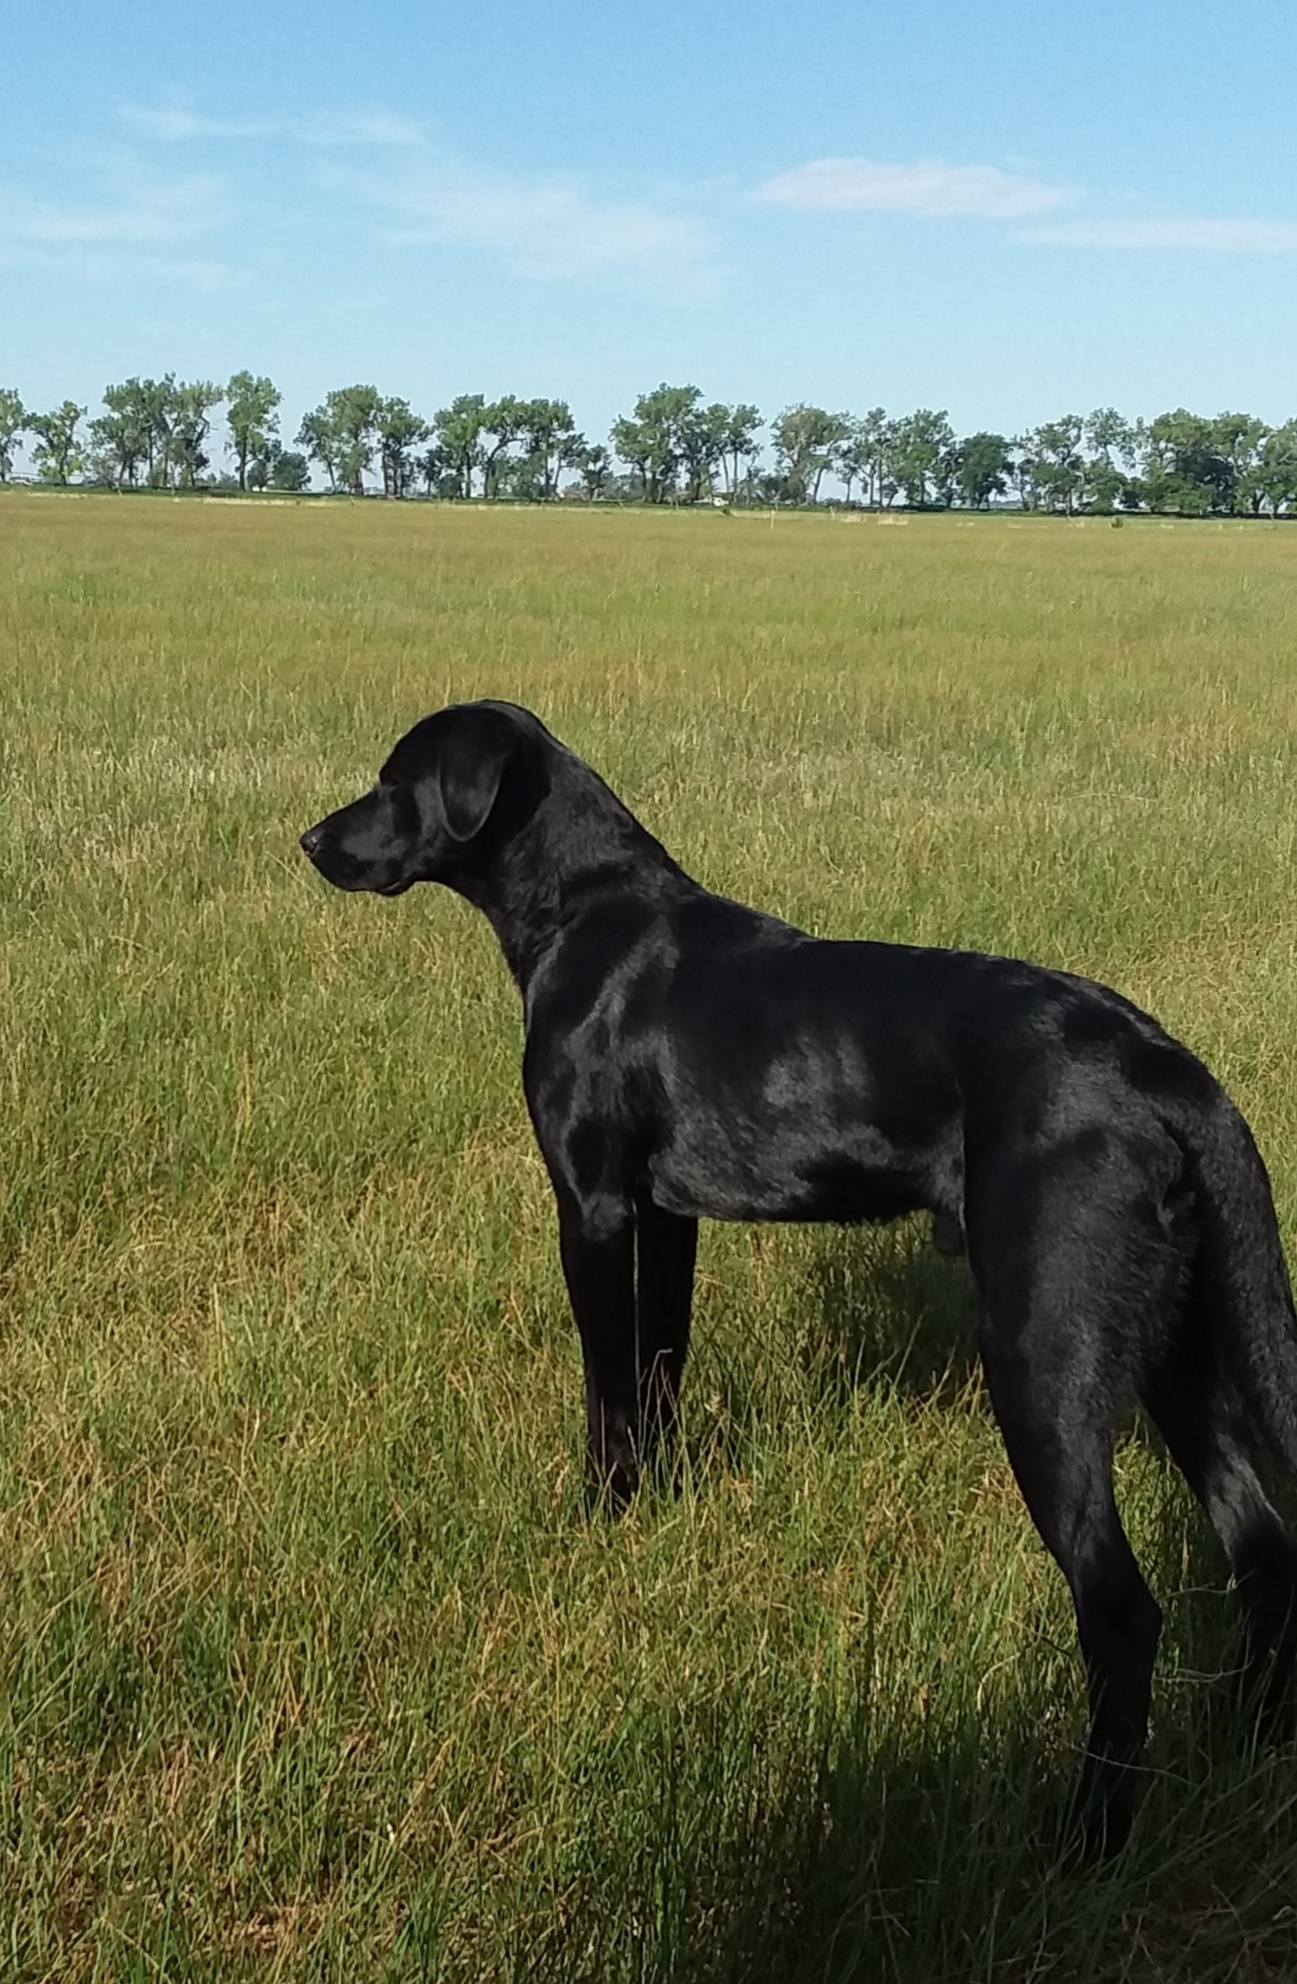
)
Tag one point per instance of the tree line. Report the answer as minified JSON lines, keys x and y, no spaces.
{"x":674,"y":447}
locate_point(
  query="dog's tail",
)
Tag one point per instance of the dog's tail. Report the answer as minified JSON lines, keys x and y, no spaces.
{"x":1242,"y":1276}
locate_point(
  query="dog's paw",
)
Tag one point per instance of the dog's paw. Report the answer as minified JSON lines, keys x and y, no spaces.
{"x":610,"y":1494}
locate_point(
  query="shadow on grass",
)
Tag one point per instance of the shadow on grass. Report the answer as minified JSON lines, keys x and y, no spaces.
{"x":886,"y":1853}
{"x":857,"y":1308}
{"x":903,"y":1860}
{"x":888,"y":1311}
{"x":883,"y":1307}
{"x":756,"y":1839}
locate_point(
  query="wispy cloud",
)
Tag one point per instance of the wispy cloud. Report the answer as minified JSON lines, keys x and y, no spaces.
{"x":177,"y":120}
{"x":930,"y":188}
{"x":548,"y":227}
{"x":144,"y":216}
{"x":1205,"y":236}
{"x":131,"y":227}
{"x":363,"y":127}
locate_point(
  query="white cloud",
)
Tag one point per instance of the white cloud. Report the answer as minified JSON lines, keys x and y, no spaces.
{"x":934,"y":190}
{"x":929,"y":188}
{"x":548,"y":227}
{"x":362,"y":127}
{"x":143,"y":216}
{"x":1227,"y":237}
{"x":176,"y":120}
{"x":130,"y":228}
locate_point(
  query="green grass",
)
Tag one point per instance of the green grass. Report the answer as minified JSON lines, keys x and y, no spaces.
{"x":310,"y":1664}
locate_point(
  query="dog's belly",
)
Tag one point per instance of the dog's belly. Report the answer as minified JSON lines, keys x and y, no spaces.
{"x":816,"y":1130}
{"x":735,"y":1176}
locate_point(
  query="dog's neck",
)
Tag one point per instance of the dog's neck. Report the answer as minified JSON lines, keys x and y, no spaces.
{"x":578,"y":848}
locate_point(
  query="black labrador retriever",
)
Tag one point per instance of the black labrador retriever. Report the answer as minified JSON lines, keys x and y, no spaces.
{"x":689,"y":1058}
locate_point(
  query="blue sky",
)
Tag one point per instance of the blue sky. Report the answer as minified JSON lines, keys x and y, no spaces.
{"x":1007,"y":210}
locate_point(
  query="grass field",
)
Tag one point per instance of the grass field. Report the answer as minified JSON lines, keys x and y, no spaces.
{"x":310,"y":1664}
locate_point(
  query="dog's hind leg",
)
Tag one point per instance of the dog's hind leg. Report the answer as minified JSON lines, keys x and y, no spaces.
{"x":666,"y":1244}
{"x":1063,"y":1464}
{"x":1049,"y":1347}
{"x":599,"y":1268}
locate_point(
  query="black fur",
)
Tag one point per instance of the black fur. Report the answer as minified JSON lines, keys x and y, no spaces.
{"x":689,"y":1058}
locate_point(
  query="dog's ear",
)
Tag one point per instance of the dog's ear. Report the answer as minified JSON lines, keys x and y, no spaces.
{"x":475,"y":752}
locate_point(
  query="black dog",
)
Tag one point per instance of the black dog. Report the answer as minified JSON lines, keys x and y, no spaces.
{"x":687,"y":1057}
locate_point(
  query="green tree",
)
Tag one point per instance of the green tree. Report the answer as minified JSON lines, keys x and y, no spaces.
{"x":155,"y":403}
{"x":1185,"y":467}
{"x":673,"y":437}
{"x":945,"y":475}
{"x":322,"y":442}
{"x":1107,"y":473}
{"x":714,"y":441}
{"x":136,"y":433}
{"x":919,"y":452}
{"x":1058,"y":467}
{"x":503,"y":421}
{"x":399,"y":431}
{"x":771,"y":488}
{"x":1111,"y":436}
{"x":702,"y":435}
{"x":1240,"y":440}
{"x":290,"y":471}
{"x":739,"y":444}
{"x":595,"y":467}
{"x":57,"y":454}
{"x":983,"y":468}
{"x":652,"y":441}
{"x":873,"y":435}
{"x":1022,"y":468}
{"x":340,"y":435}
{"x":806,"y":439}
{"x":551,"y":440}
{"x":121,"y":438}
{"x":260,"y":464}
{"x":13,"y":422}
{"x":459,"y":428}
{"x":191,"y":423}
{"x":437,"y":476}
{"x":252,"y":418}
{"x":851,"y":457}
{"x":354,"y":413}
{"x":1276,"y":473}
{"x":273,"y":466}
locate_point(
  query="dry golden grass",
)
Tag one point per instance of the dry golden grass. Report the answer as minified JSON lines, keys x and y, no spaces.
{"x":311,"y":1666}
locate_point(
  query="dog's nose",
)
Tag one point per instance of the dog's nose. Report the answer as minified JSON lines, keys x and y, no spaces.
{"x":311,"y":840}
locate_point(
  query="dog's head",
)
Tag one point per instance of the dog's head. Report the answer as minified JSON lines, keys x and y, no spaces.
{"x":450,"y":791}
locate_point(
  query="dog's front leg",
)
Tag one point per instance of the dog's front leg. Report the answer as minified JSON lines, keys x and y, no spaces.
{"x":599,"y":1266}
{"x":665,"y":1246}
